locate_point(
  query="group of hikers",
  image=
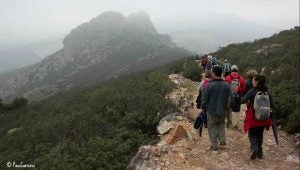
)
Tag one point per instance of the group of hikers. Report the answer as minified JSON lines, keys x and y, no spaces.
{"x":222,"y":92}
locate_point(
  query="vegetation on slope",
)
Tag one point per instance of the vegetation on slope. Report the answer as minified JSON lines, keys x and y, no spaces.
{"x":100,"y":127}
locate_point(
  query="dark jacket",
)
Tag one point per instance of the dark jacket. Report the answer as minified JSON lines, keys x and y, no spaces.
{"x":248,"y":85}
{"x":215,"y":97}
{"x":250,"y":95}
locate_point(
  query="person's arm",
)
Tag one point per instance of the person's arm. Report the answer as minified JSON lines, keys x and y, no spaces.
{"x":201,"y":86}
{"x":247,"y":96}
{"x":204,"y":99}
{"x":198,"y":100}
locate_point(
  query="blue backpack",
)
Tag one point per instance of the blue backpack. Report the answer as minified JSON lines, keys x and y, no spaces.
{"x":214,"y":60}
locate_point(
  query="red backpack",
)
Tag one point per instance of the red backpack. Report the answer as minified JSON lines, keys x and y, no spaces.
{"x":204,"y":61}
{"x":205,"y":84}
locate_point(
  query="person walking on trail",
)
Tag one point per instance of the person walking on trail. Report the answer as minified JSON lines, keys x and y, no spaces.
{"x":214,"y":101}
{"x":226,"y":66}
{"x":260,"y":106}
{"x":204,"y":62}
{"x":238,"y":88}
{"x":214,"y":61}
{"x":209,"y":62}
{"x":207,"y":76}
{"x":250,"y":74}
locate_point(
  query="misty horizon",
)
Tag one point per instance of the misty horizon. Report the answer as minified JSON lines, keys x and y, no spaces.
{"x":30,"y":21}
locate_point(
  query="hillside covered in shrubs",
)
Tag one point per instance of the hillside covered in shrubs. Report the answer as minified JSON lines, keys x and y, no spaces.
{"x":100,"y":127}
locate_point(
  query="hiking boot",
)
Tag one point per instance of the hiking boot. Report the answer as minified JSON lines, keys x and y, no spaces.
{"x":222,"y":143}
{"x":212,"y":148}
{"x":253,"y":154}
{"x":260,"y":154}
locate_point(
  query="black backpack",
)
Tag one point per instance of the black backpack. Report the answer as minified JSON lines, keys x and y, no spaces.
{"x":235,"y":94}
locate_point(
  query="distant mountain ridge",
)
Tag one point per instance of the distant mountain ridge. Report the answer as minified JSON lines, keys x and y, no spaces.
{"x":107,"y":46}
{"x":17,"y":56}
{"x":206,"y":33}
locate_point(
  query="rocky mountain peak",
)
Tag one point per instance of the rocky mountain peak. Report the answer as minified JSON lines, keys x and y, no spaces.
{"x":92,"y":51}
{"x":142,"y":20}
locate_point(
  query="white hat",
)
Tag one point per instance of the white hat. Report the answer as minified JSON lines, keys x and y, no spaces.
{"x":234,"y":68}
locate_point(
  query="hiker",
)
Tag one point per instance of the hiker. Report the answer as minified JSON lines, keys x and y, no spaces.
{"x":250,"y":74}
{"x":204,"y":62}
{"x":226,"y":68}
{"x":209,"y":63}
{"x":214,"y":61}
{"x":257,"y":119}
{"x":214,"y":102}
{"x":206,"y":77}
{"x":238,"y":88}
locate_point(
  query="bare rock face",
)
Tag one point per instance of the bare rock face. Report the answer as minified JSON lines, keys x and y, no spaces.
{"x":107,"y":46}
{"x":177,"y":133}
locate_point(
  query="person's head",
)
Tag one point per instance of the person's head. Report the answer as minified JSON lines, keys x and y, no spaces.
{"x":217,"y":71}
{"x":259,"y":83}
{"x":250,"y":74}
{"x":234,"y":68}
{"x":225,"y":61}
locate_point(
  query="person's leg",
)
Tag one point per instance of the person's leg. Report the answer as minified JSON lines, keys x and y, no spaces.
{"x":260,"y":136}
{"x":212,"y":131}
{"x":229,"y":117}
{"x":221,"y":129}
{"x":235,"y":119}
{"x":252,"y":134}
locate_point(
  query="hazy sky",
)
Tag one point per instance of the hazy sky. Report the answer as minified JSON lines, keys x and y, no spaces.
{"x":27,"y":19}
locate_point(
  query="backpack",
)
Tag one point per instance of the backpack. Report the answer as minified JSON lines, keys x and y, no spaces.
{"x":204,"y":61}
{"x":214,"y":60}
{"x":226,"y":68}
{"x":262,"y":109}
{"x":235,"y":94}
{"x":205,"y":84}
{"x":198,"y":100}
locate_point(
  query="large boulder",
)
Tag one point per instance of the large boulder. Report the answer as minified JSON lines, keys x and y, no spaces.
{"x":176,"y":134}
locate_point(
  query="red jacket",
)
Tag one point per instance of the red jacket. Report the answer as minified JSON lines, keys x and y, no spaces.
{"x":242,"y":82}
{"x":251,"y":122}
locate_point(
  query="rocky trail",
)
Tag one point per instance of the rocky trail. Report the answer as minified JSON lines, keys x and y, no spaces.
{"x":181,"y":147}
